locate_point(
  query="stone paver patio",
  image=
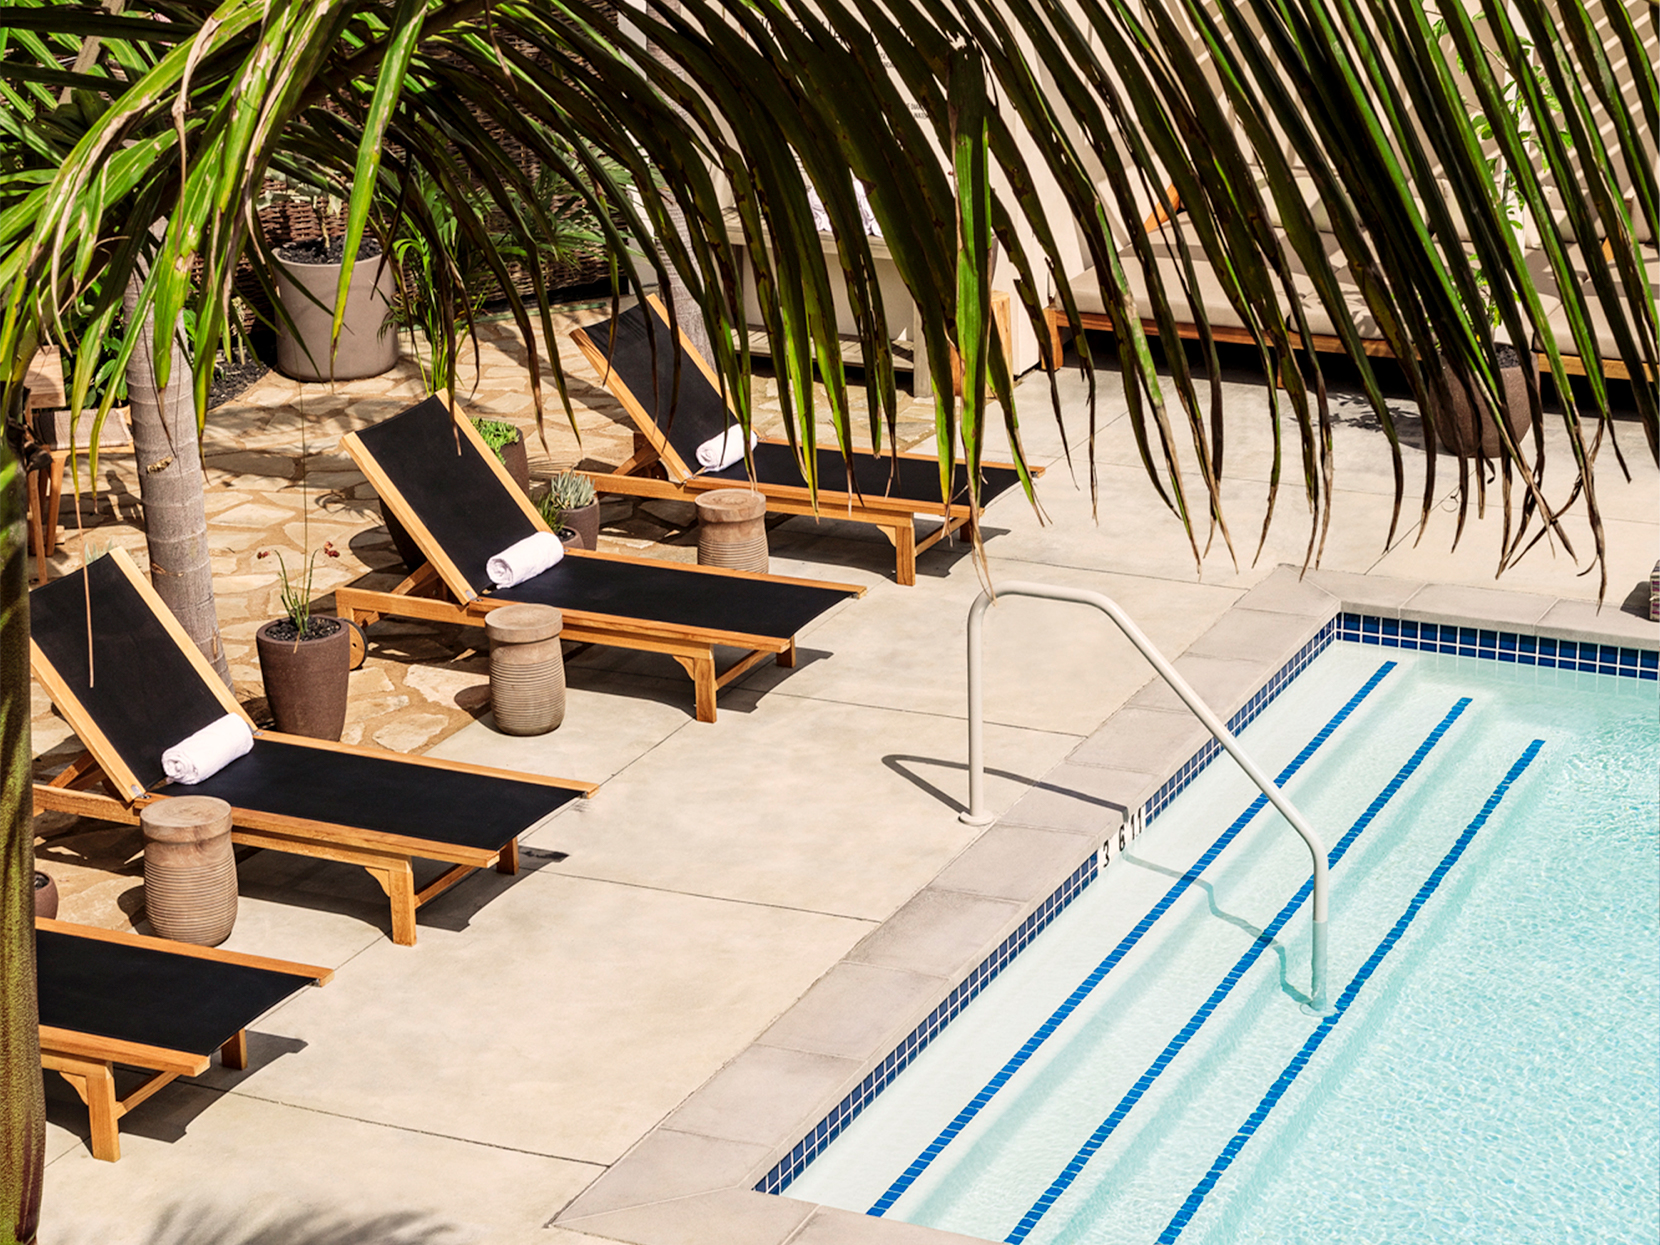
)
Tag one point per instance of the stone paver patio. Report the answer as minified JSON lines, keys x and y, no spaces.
{"x":469,"y":1088}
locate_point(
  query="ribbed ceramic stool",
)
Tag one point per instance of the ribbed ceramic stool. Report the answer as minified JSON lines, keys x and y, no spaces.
{"x":189,"y":869}
{"x":527,"y":668}
{"x":732,"y":530}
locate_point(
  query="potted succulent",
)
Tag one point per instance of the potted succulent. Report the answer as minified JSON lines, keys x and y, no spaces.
{"x":548,"y":505}
{"x":304,"y":658}
{"x":308,"y":282}
{"x":571,"y":502}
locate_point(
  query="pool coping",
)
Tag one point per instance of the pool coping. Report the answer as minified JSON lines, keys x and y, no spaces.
{"x":693,"y":1178}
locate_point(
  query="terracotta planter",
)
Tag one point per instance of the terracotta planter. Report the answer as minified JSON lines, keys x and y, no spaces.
{"x":1461,"y":429}
{"x":46,"y":895}
{"x":368,"y":340}
{"x":305,"y":680}
{"x":584,"y":521}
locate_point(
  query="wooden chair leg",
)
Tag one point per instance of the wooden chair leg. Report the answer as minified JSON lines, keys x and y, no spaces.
{"x":398,"y":881}
{"x":1052,"y":318}
{"x":99,"y":1082}
{"x":904,"y":544}
{"x":508,"y":861}
{"x":786,"y":659}
{"x":234,"y":1053}
{"x":54,"y":499}
{"x":702,"y":670}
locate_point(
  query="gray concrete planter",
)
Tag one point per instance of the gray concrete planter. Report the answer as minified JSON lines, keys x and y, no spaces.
{"x":368,"y":338}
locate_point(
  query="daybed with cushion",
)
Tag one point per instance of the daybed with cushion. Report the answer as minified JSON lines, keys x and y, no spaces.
{"x":144,"y":687}
{"x":461,"y":508}
{"x":634,"y":358}
{"x":109,"y":999}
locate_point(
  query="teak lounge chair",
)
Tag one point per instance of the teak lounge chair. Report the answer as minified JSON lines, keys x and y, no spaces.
{"x":148,"y":687}
{"x":108,"y":998}
{"x":461,"y":508}
{"x":892,"y":490}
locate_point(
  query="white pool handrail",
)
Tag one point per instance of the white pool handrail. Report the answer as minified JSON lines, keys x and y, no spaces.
{"x":976,"y":814}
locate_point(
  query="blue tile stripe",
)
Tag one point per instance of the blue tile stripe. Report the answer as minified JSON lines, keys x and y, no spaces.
{"x":1234,"y":975}
{"x":1098,"y":974}
{"x":898,"y":1059}
{"x":1243,"y":717}
{"x":1584,"y":656}
{"x":1254,"y":1122}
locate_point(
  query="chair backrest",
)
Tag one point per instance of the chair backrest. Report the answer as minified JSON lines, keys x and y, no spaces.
{"x":637,"y":350}
{"x":134,"y":691}
{"x":460,"y":507}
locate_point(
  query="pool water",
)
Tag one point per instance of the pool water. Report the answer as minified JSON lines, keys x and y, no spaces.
{"x":1148,"y":1070}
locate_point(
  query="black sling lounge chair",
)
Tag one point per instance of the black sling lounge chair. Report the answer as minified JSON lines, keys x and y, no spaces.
{"x":148,"y":687}
{"x":891,"y":490}
{"x":461,"y":508}
{"x":108,"y":998}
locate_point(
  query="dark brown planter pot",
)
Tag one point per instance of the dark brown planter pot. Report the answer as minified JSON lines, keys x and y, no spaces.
{"x":517,"y":461}
{"x":305,"y":680}
{"x":46,"y":895}
{"x":569,"y":538}
{"x":584,"y":521}
{"x":1456,"y":427}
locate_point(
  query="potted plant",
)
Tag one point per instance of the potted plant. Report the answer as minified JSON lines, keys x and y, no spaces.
{"x":571,"y":497}
{"x":550,"y":510}
{"x":304,"y":658}
{"x":509,"y":446}
{"x":1466,"y":426}
{"x":308,"y":280}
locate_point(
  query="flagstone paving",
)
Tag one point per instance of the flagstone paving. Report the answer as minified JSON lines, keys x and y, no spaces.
{"x":467,"y":1089}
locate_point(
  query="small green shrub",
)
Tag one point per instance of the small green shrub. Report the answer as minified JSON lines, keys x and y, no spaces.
{"x":497,"y":434}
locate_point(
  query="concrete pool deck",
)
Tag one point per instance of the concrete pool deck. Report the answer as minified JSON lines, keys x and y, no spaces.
{"x":586,"y":1045}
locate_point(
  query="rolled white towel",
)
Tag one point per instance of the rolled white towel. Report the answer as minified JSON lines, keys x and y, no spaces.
{"x":719,"y":453}
{"x":525,"y":559}
{"x":199,"y":757}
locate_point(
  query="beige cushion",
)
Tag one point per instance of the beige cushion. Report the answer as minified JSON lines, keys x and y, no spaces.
{"x":1601,"y":330}
{"x":1086,"y":289}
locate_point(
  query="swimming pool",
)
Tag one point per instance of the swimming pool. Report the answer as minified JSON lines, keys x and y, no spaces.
{"x":1144,"y":1071}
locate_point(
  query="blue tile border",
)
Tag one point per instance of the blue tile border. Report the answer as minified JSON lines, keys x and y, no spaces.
{"x":1584,"y":656}
{"x":1518,"y":648}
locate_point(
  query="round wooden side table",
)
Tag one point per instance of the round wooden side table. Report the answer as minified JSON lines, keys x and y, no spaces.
{"x":527,"y":668}
{"x":189,"y":869}
{"x":732,"y":530}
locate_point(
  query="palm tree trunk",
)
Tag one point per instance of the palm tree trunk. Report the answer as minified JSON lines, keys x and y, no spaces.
{"x":22,"y":1106}
{"x":170,"y":486}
